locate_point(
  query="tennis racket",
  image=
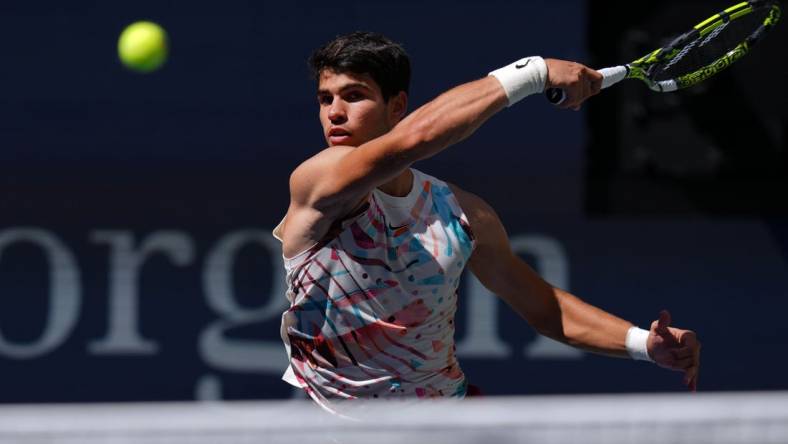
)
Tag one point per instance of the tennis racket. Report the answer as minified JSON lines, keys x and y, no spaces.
{"x":708,"y":48}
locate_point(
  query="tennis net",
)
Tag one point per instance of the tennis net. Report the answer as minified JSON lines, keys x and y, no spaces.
{"x":665,"y":418}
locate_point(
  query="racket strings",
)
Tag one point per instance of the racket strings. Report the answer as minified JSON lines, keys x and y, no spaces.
{"x":707,"y":49}
{"x":692,"y":45}
{"x":714,"y":33}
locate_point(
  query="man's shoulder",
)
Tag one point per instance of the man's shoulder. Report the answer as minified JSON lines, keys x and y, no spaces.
{"x":322,"y":157}
{"x":307,"y":175}
{"x":308,"y":217}
{"x":478,"y":211}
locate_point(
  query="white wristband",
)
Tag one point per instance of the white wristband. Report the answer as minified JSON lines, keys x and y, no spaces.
{"x":636,"y":341}
{"x":522,"y":78}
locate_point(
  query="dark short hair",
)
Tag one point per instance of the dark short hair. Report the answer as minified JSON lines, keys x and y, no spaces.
{"x":365,"y":53}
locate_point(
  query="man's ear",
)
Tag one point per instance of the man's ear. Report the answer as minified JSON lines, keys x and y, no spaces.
{"x":398,"y":106}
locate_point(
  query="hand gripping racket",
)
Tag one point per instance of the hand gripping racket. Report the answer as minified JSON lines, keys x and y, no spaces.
{"x":710,"y":47}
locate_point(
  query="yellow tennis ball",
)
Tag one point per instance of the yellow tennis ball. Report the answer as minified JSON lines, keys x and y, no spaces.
{"x":142,"y":46}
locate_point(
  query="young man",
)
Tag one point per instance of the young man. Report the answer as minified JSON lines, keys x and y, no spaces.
{"x":374,"y":250}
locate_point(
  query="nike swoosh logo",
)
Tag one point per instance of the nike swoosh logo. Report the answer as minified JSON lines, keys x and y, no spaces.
{"x":396,"y":228}
{"x":522,"y":65}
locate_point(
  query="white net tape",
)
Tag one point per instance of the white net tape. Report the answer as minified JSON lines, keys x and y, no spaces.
{"x":664,"y":419}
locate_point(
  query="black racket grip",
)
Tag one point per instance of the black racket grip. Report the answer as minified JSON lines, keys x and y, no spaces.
{"x":556,"y":96}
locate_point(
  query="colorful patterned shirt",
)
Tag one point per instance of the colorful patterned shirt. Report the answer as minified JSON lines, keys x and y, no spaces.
{"x":372,"y":305}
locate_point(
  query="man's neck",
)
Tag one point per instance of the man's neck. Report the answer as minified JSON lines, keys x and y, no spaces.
{"x":400,"y":186}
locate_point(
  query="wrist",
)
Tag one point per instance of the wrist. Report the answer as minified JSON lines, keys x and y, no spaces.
{"x":522,"y":78}
{"x":637,"y":344}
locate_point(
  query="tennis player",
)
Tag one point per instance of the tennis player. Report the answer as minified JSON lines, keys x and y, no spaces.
{"x":374,"y":249}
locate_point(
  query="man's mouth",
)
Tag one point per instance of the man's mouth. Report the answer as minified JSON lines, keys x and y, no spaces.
{"x":338,"y":135}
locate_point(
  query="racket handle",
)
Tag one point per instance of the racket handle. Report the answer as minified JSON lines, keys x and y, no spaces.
{"x":556,"y":96}
{"x":610,"y":76}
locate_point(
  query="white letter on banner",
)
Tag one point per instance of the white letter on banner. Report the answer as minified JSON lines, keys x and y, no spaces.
{"x":65,"y":292}
{"x":481,"y":337}
{"x":552,"y":264}
{"x":242,"y":354}
{"x":125,"y":263}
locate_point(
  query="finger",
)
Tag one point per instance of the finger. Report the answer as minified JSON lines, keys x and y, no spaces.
{"x":691,"y":375}
{"x":688,"y":338}
{"x":684,"y":364}
{"x":591,"y":83}
{"x":596,"y":81}
{"x":579,"y":89}
{"x":573,"y":96}
{"x":585,"y":82}
{"x":580,"y":99}
{"x":568,"y":98}
{"x":663,"y":322}
{"x":588,"y":83}
{"x":660,"y":329}
{"x":677,"y":364}
{"x":682,"y":353}
{"x":691,"y":378}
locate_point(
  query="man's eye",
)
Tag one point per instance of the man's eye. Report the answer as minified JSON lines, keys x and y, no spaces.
{"x":324,"y":100}
{"x":354,"y":97}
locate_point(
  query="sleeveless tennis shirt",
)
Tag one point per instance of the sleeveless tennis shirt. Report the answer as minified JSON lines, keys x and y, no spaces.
{"x":372,"y":305}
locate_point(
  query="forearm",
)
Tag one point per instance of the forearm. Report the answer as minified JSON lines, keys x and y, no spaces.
{"x":449,"y":118}
{"x":564,"y":317}
{"x":456,"y":114}
{"x":590,"y":328}
{"x":551,"y":311}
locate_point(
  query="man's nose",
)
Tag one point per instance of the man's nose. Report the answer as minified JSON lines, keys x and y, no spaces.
{"x":337,"y":112}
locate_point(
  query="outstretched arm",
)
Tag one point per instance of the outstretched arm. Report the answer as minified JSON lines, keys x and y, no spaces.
{"x":560,"y":315}
{"x":339,"y":179}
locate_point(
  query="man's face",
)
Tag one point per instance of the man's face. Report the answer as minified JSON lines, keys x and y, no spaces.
{"x":352,"y":109}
